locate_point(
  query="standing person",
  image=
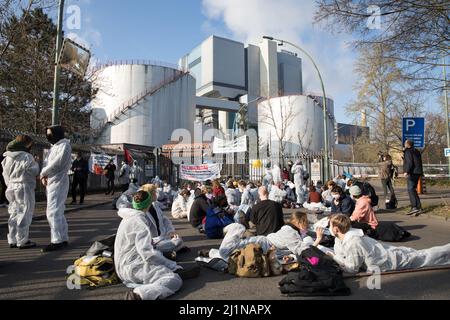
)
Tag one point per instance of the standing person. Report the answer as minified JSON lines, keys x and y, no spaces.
{"x":266,"y":215}
{"x":298,"y":172}
{"x":2,"y":185}
{"x":80,"y":168}
{"x":386,"y":174}
{"x":20,"y":172}
{"x":55,"y":177}
{"x":413,"y":171}
{"x":124,"y":176}
{"x":110,"y":170}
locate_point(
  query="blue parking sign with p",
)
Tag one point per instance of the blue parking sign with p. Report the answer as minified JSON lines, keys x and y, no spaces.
{"x":414,"y":130}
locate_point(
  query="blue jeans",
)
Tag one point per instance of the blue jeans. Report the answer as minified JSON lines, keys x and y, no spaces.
{"x":412,"y":181}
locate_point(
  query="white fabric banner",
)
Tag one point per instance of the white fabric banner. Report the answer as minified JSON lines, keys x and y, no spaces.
{"x":99,"y":161}
{"x":230,"y":146}
{"x":200,"y":173}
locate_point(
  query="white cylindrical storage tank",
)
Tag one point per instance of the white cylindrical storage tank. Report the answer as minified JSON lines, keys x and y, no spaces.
{"x":151,"y":121}
{"x":298,"y":121}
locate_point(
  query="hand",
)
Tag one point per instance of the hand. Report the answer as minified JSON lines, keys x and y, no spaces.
{"x":44,"y":181}
{"x":330,"y":254}
{"x":173,"y":235}
{"x":406,"y":174}
{"x":319,"y":233}
{"x":287,"y":259}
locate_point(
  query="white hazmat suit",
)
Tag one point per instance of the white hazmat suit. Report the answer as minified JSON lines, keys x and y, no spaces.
{"x":164,"y":242}
{"x":298,"y":172}
{"x":57,"y":166}
{"x":20,"y":172}
{"x":138,"y":264}
{"x":180,"y":207}
{"x":357,"y":252}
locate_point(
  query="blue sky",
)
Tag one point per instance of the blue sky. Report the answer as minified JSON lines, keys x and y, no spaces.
{"x":165,"y":30}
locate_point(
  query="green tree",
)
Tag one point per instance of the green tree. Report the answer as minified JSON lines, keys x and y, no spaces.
{"x":26,"y":78}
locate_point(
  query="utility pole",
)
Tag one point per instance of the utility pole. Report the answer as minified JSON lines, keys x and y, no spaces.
{"x":446,"y":110}
{"x":59,"y":36}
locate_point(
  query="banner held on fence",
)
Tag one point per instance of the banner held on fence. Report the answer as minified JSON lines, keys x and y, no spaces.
{"x":200,"y":173}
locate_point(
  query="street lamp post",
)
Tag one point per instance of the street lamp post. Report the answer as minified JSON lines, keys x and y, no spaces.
{"x":59,"y":36}
{"x":324,"y":106}
{"x":446,"y":110}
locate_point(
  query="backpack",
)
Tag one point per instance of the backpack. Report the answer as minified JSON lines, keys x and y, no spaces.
{"x":319,"y":275}
{"x":392,"y":203}
{"x":216,"y":219}
{"x":251,"y":262}
{"x":94,"y":271}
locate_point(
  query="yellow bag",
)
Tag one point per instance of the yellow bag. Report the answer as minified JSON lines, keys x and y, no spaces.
{"x":96,"y":271}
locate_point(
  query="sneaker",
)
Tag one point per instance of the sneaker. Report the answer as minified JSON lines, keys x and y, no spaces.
{"x":190,"y":272}
{"x":418,"y":213}
{"x":28,"y":245}
{"x":13,"y":246}
{"x":413,"y":211}
{"x":203,"y":253}
{"x":130,"y":295}
{"x":53,"y":247}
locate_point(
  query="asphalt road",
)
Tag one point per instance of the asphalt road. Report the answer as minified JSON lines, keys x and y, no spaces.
{"x":30,"y":274}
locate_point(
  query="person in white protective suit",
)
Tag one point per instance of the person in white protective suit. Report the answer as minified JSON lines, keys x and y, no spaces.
{"x":355,"y":252}
{"x":20,"y":171}
{"x":276,"y":174}
{"x":137,"y":262}
{"x":55,"y":177}
{"x":268,"y":179}
{"x":126,"y":198}
{"x":180,"y":205}
{"x":290,"y":239}
{"x":124,"y":176}
{"x":277,"y":193}
{"x":297,"y":170}
{"x":166,"y":239}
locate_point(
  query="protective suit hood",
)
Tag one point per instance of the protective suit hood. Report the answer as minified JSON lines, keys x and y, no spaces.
{"x":127,"y":213}
{"x":353,"y":233}
{"x":15,"y":154}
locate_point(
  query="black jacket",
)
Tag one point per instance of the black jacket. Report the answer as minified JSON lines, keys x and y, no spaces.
{"x":80,"y":168}
{"x":346,"y":206}
{"x":198,"y":210}
{"x":412,"y":161}
{"x":267,"y":215}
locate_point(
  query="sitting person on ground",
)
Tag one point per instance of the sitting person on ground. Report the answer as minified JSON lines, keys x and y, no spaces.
{"x":340,"y":181}
{"x":198,"y":210}
{"x":137,"y":263}
{"x":342,"y":203}
{"x":266,"y":215}
{"x":181,"y":204}
{"x":277,"y":193}
{"x":291,"y":197}
{"x":233,"y":196}
{"x":363,"y":213}
{"x":217,"y":189}
{"x":217,"y":217}
{"x":246,"y":195}
{"x":292,"y":238}
{"x":327,"y":195}
{"x":254,"y":191}
{"x":355,"y":252}
{"x":166,"y":239}
{"x":126,"y":198}
{"x":366,"y":190}
{"x":314,"y":202}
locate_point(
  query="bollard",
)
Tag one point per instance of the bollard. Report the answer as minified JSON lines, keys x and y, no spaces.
{"x":420,"y":186}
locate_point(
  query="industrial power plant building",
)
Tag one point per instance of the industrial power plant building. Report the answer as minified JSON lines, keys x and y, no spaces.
{"x":142,"y":103}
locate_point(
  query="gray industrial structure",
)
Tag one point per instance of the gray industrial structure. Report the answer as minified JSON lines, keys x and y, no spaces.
{"x":143,"y":103}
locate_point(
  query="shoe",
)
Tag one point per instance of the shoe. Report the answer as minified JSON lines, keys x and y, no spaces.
{"x":203,"y":253}
{"x":130,"y":295}
{"x":13,"y":246}
{"x":65,"y":244}
{"x":81,"y":202}
{"x":170,"y":255}
{"x":54,"y":247}
{"x":413,"y":211}
{"x":418,"y":213}
{"x":189,"y":273}
{"x":73,"y":202}
{"x":28,"y":245}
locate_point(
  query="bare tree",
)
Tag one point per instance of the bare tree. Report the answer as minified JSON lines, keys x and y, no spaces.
{"x":278,"y":118}
{"x":415,"y":31}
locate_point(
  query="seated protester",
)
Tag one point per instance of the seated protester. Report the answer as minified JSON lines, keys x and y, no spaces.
{"x":233,"y":196}
{"x":327,"y":196}
{"x":366,"y":190}
{"x":207,"y":191}
{"x":137,"y":263}
{"x":314,"y":202}
{"x":217,"y":189}
{"x":342,"y":203}
{"x":290,"y":239}
{"x":363,"y":213}
{"x":180,"y":205}
{"x":277,"y":193}
{"x":246,"y":195}
{"x":254,"y":191}
{"x":165,"y":239}
{"x":340,"y":181}
{"x":355,"y":252}
{"x":290,"y":192}
{"x":126,"y":198}
{"x":167,"y":189}
{"x":199,"y":207}
{"x":266,"y":215}
{"x":217,"y":217}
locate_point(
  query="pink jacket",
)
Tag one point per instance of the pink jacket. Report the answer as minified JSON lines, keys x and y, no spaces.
{"x":364,"y":212}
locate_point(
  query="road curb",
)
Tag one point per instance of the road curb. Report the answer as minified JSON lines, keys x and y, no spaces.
{"x":70,"y":210}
